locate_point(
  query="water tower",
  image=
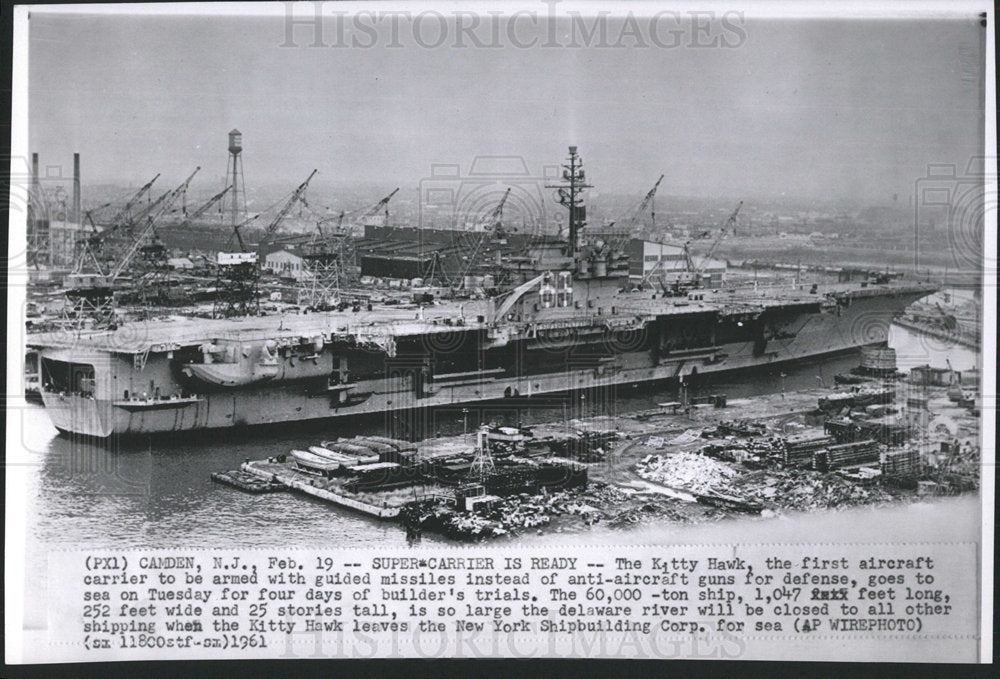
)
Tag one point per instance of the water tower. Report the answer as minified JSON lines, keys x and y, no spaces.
{"x":234,"y":178}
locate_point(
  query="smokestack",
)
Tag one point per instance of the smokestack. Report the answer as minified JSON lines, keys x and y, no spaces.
{"x":34,"y":174}
{"x":76,"y":189}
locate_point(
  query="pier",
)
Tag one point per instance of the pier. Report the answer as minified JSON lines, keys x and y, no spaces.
{"x":320,"y":488}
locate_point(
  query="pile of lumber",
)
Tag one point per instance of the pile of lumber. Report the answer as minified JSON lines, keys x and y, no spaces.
{"x":799,"y":451}
{"x":901,"y":463}
{"x":845,"y":455}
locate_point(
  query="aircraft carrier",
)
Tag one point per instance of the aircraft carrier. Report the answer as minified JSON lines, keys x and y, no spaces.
{"x":562,"y":316}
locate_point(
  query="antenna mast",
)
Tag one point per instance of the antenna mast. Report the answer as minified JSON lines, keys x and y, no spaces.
{"x":568,"y":194}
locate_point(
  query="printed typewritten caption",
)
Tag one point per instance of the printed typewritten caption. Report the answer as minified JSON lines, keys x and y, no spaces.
{"x":904,"y":601}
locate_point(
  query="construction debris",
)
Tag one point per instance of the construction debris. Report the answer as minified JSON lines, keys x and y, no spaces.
{"x":685,"y":471}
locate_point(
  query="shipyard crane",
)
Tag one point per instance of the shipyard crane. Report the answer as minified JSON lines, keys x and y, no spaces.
{"x":92,"y":295}
{"x":188,"y":218}
{"x":955,"y":391}
{"x":339,"y":219}
{"x":726,"y":227}
{"x":694,"y":270}
{"x":122,"y":215}
{"x":368,"y":218}
{"x":238,"y":278}
{"x":324,"y":261}
{"x":947,"y":320}
{"x":149,"y":209}
{"x":271,"y":228}
{"x":239,"y":236}
{"x":88,"y":216}
{"x":491,"y":222}
{"x":688,"y":263}
{"x":165,"y":205}
{"x":207,"y":206}
{"x":489,"y":226}
{"x":147,"y":261}
{"x":286,"y":208}
{"x":96,"y":245}
{"x":320,"y":239}
{"x":633,"y":215}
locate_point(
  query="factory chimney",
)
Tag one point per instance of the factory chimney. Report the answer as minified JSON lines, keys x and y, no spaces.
{"x":77,"y":216}
{"x":34,"y":175}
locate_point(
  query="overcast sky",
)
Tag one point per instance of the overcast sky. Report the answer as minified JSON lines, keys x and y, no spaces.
{"x":801,"y":108}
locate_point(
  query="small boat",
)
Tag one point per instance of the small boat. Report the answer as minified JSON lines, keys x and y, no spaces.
{"x":374,"y":446}
{"x":326,"y":453}
{"x":398,"y":444}
{"x":247,"y":482}
{"x":312,"y":461}
{"x":352,"y":449}
{"x":232,"y":374}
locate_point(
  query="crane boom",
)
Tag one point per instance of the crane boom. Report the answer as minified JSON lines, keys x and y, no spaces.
{"x":381,"y":204}
{"x":513,"y":296}
{"x":286,"y":208}
{"x":211,"y":201}
{"x":729,"y":224}
{"x":236,"y":231}
{"x":491,"y":222}
{"x":633,"y":216}
{"x":648,"y":200}
{"x":124,"y":212}
{"x":489,"y":226}
{"x":149,"y":209}
{"x":165,"y":205}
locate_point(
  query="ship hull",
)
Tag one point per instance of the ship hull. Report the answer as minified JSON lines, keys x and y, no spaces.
{"x":816,"y":334}
{"x":300,"y":393}
{"x":98,"y":419}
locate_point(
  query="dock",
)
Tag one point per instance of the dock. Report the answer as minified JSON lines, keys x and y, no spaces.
{"x":249,"y":483}
{"x":320,"y":488}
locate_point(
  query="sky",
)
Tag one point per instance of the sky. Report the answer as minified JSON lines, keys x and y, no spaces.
{"x":804,"y":108}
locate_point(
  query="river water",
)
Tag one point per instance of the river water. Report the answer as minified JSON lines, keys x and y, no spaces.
{"x":158,"y":493}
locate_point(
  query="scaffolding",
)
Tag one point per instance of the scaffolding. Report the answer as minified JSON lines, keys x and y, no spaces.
{"x":237,"y":285}
{"x":320,"y":288}
{"x":482,"y":464}
{"x":328,"y":261}
{"x":152,"y":274}
{"x":89,"y":306}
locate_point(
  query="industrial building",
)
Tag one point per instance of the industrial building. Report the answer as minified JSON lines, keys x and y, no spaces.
{"x":670,"y":262}
{"x":287,"y":262}
{"x":406,"y":253}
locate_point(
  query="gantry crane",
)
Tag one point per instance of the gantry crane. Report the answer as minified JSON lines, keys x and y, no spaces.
{"x":325,"y":260}
{"x":238,"y":279}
